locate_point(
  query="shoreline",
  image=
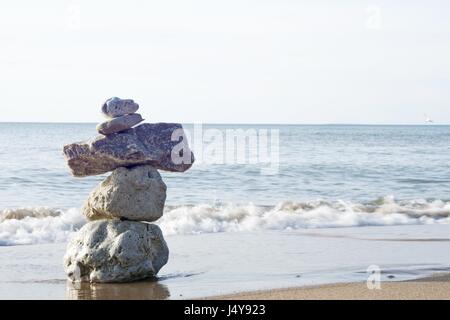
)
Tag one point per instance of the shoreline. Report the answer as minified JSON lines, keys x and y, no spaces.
{"x":434,"y":287}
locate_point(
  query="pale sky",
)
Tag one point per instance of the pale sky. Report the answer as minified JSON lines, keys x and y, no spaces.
{"x":234,"y":61}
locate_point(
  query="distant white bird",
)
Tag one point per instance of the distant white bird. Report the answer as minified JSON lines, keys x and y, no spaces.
{"x":428,"y":119}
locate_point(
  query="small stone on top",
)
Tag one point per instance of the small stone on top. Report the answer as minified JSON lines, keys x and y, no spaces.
{"x":116,"y":107}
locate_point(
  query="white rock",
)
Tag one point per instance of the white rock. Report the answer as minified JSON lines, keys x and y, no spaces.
{"x":116,"y":107}
{"x":119,"y":124}
{"x":115,"y":251}
{"x":136,"y":193}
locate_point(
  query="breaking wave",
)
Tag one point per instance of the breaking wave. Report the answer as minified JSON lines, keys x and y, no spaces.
{"x":38,"y":225}
{"x":44,"y":225}
{"x":302,"y":215}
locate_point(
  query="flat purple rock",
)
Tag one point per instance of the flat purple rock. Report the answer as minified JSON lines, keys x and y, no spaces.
{"x":161,"y":145}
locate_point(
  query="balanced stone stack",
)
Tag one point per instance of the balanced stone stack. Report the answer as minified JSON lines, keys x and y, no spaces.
{"x":119,"y":243}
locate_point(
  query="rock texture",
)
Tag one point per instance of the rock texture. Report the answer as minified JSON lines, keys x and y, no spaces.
{"x":116,"y":107}
{"x":115,"y":251}
{"x":161,"y":145}
{"x":136,"y":193}
{"x":119,"y":124}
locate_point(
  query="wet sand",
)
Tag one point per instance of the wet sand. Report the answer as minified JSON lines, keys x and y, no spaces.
{"x":436,"y":287}
{"x":142,"y":290}
{"x":222,"y":264}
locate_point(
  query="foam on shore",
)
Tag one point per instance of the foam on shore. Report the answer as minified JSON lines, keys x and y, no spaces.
{"x":45,"y":225}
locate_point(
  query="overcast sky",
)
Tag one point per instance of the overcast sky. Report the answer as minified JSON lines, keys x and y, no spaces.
{"x":238,"y":61}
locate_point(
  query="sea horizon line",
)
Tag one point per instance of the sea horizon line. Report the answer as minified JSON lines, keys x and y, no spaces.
{"x":245,"y":123}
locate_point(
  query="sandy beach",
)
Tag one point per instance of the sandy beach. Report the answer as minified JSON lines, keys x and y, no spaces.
{"x":323,"y":264}
{"x":430,"y":288}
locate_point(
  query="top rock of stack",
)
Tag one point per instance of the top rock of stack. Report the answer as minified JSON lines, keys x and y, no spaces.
{"x":116,"y":107}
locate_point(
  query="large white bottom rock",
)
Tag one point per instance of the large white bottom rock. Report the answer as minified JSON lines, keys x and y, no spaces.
{"x":115,"y":251}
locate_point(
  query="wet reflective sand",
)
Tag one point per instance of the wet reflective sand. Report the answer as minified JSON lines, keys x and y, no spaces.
{"x":223,"y":263}
{"x":143,"y":290}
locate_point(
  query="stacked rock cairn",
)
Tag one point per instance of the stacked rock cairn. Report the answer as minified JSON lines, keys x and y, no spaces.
{"x":119,"y":243}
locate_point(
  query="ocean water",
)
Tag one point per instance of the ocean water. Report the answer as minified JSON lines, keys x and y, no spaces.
{"x":329,"y":176}
{"x":344,"y":197}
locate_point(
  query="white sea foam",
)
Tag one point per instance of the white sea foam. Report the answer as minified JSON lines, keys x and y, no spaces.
{"x":292,"y":215}
{"x":43,"y":225}
{"x":38,"y":225}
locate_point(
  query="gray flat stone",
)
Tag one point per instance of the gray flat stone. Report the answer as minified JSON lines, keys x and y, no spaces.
{"x":119,"y":124}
